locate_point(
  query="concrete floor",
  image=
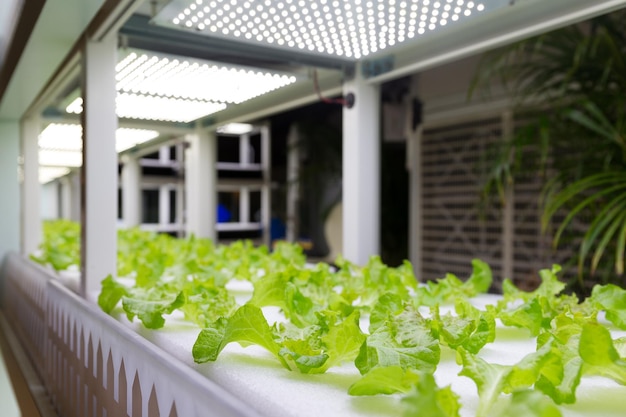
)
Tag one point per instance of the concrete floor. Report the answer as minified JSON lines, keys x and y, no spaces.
{"x":10,"y":407}
{"x":16,"y":398}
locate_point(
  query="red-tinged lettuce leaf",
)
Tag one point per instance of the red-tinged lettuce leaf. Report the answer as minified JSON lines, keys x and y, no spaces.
{"x":611,"y":299}
{"x":247,"y":326}
{"x":530,"y":403}
{"x":427,"y":399}
{"x":384,"y":380}
{"x":404,"y":340}
{"x":111,"y":294}
{"x":150,"y":306}
{"x":599,"y":355}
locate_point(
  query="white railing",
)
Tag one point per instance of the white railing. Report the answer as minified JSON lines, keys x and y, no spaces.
{"x":92,"y":365}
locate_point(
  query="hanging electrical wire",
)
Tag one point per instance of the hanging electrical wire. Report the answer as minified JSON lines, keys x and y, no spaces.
{"x":347,"y":101}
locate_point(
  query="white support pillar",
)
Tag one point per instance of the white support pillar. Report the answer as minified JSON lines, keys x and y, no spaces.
{"x":361,"y":172}
{"x":99,"y":174}
{"x":76,"y":199}
{"x":31,"y":190}
{"x":131,"y":191}
{"x":244,"y":205}
{"x":201,"y":184}
{"x":293,"y":183}
{"x":9,"y":186}
{"x":244,"y":150}
{"x":414,"y":132}
{"x":180,"y":192}
{"x":164,"y":154}
{"x":65,"y":205}
{"x":164,"y":206}
{"x":266,"y":198}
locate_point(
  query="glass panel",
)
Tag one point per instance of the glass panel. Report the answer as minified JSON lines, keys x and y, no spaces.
{"x":172,"y":206}
{"x":255,"y":206}
{"x":228,"y":207}
{"x":150,"y":206}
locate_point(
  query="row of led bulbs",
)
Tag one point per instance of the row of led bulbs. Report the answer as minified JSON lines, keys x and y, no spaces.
{"x":330,"y":33}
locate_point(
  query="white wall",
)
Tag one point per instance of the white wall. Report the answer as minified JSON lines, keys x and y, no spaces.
{"x":9,"y":187}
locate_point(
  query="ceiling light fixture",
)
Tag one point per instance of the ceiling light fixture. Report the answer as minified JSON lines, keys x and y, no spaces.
{"x":169,"y":88}
{"x":345,"y":28}
{"x":67,"y":138}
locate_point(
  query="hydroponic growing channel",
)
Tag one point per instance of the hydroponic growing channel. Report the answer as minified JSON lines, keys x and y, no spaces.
{"x":290,"y":338}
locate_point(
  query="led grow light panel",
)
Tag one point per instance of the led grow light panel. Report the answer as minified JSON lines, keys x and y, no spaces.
{"x":164,"y":87}
{"x":47,"y":174}
{"x":343,"y":28}
{"x":65,"y":139}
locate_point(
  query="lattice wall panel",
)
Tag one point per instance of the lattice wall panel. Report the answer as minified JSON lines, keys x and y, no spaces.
{"x":456,"y":229}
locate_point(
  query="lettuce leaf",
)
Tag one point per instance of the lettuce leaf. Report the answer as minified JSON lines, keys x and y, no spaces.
{"x":384,"y":380}
{"x":599,"y":355}
{"x":246,"y":326}
{"x":151,"y":305}
{"x":611,"y":299}
{"x":530,"y":403}
{"x":426,"y":395}
{"x":404,"y":340}
{"x":452,"y":288}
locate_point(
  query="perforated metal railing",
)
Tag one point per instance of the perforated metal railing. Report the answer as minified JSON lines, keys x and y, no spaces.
{"x":93,"y":366}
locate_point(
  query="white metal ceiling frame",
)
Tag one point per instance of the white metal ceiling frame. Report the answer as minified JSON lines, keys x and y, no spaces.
{"x":523,"y":19}
{"x":502,"y":26}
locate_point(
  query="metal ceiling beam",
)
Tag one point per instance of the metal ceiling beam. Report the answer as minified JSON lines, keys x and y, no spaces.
{"x":28,"y":16}
{"x":521,"y":20}
{"x":139,"y":32}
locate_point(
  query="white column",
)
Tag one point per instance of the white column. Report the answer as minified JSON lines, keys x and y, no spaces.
{"x":266,"y":197}
{"x":180,"y":191}
{"x":414,"y":132}
{"x":164,"y":206}
{"x":244,"y":150}
{"x":293,"y":183}
{"x":66,"y":197}
{"x":99,"y":174}
{"x":244,"y":205}
{"x":201,"y":188}
{"x":31,"y":190}
{"x":65,"y":203}
{"x":75,"y":196}
{"x":164,"y":154}
{"x":131,"y":191}
{"x":361,"y":172}
{"x":9,"y":187}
